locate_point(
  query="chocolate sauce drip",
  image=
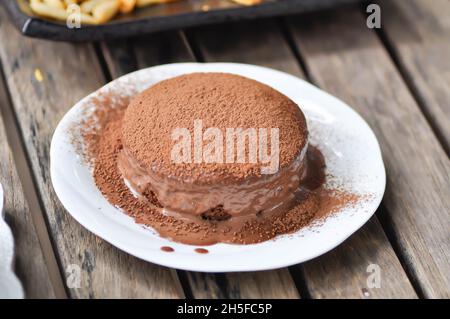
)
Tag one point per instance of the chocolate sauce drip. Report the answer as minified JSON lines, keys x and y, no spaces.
{"x":315,"y":169}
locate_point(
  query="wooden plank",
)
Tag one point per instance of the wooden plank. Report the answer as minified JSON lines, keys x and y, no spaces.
{"x":272,"y":284}
{"x":172,"y":47}
{"x":345,"y":271}
{"x":161,"y":48}
{"x":347,"y":59}
{"x":341,"y":273}
{"x":30,"y":264}
{"x":66,"y":73}
{"x":257,"y":42}
{"x":418,"y":34}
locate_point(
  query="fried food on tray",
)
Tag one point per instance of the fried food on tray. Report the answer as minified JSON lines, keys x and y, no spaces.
{"x":48,"y":9}
{"x":144,"y":3}
{"x":97,"y":11}
{"x":247,"y":2}
{"x":127,"y":6}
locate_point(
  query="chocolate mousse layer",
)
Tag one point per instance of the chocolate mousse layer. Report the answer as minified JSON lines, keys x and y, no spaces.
{"x":213,"y":201}
{"x":226,"y":191}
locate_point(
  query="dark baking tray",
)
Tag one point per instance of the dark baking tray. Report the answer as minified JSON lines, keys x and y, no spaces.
{"x":175,"y":15}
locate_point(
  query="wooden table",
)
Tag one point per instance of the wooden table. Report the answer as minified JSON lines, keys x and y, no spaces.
{"x":397,"y":78}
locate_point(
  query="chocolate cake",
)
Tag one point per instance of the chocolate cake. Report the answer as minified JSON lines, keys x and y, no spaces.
{"x":224,"y":189}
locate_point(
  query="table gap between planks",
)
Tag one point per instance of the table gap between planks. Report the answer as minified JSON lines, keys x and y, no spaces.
{"x":339,"y":54}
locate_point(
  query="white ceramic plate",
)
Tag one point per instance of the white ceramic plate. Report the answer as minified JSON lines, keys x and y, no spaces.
{"x":10,"y":287}
{"x":350,"y":148}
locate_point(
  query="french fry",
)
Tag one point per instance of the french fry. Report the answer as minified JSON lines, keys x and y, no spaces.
{"x":48,"y":11}
{"x":69,"y":2}
{"x":247,"y":2}
{"x":105,"y":10}
{"x":88,"y":19}
{"x":55,"y":3}
{"x":143,"y":3}
{"x":89,"y":5}
{"x":84,"y":17}
{"x":127,"y":6}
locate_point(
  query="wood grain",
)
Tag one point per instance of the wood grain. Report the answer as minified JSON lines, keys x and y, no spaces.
{"x":347,"y":59}
{"x":30,"y":264}
{"x":172,"y":47}
{"x":258,"y":42}
{"x":123,"y":57}
{"x":346,"y":271}
{"x":341,"y":273}
{"x":69,"y":72}
{"x":274,"y":284}
{"x":418,"y":33}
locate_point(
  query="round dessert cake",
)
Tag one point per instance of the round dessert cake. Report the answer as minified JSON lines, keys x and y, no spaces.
{"x":225,"y":116}
{"x":205,"y":158}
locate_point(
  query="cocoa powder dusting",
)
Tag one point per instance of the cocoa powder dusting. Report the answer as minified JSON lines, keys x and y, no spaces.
{"x":221,"y":101}
{"x":102,"y":136}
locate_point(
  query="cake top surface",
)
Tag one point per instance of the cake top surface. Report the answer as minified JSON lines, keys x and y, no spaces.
{"x":208,"y":107}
